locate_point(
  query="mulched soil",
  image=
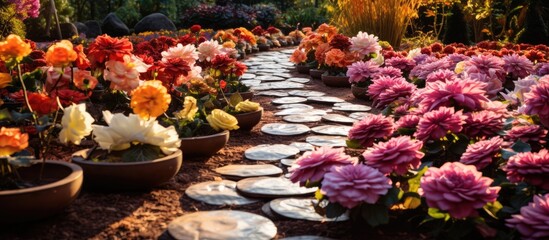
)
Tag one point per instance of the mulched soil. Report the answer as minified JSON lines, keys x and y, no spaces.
{"x":146,"y":214}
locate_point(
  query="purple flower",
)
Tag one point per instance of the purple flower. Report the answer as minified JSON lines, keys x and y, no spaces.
{"x":441,"y":75}
{"x":430,"y":65}
{"x":517,"y":66}
{"x":313,"y":165}
{"x":532,"y":222}
{"x":437,"y":123}
{"x":492,"y":85}
{"x":486,"y":64}
{"x":388,"y":72}
{"x":361,"y":71}
{"x":483,"y":124}
{"x":455,"y":58}
{"x":481,"y":154}
{"x":402,"y":63}
{"x":532,"y":168}
{"x":398,"y":154}
{"x":372,"y":127}
{"x":26,"y":8}
{"x":466,"y":93}
{"x":542,"y":69}
{"x":352,"y":185}
{"x":421,"y":58}
{"x":457,"y":188}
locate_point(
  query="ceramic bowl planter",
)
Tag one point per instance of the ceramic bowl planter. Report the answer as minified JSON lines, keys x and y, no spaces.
{"x":28,"y":204}
{"x":316,"y":73}
{"x":204,"y":146}
{"x":336,"y":81}
{"x":263,"y":47}
{"x":303,"y":69}
{"x":247,"y":121}
{"x":128,"y":175}
{"x":360,"y":92}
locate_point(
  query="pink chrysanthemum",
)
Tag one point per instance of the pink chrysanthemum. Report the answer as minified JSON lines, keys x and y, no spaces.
{"x":441,"y":75}
{"x":365,"y":44}
{"x":537,"y":101}
{"x":397,"y":92}
{"x":481,"y":154}
{"x":398,"y":154}
{"x":408,"y":121}
{"x":497,"y":107}
{"x":483,"y":124}
{"x":403,"y":63}
{"x":458,"y":189}
{"x":467,"y":94}
{"x":313,"y":165}
{"x":486,"y":64}
{"x":389,"y":72}
{"x":493,"y":85}
{"x":354,"y":184}
{"x":526,"y":133}
{"x":529,"y":167}
{"x":436,"y":124}
{"x":361,"y":71}
{"x":532,"y":222}
{"x":430,"y":65}
{"x":517,"y":66}
{"x":380,"y":84}
{"x":372,"y":127}
{"x":455,"y":58}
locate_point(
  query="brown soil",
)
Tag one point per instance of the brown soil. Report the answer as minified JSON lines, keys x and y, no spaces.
{"x":146,"y":214}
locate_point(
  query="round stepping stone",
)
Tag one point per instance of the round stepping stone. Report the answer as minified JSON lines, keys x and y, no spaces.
{"x":325,"y":99}
{"x":359,"y":115}
{"x":298,"y":80}
{"x":222,"y":224}
{"x":301,"y":209}
{"x":251,"y":83}
{"x":268,"y":152}
{"x":289,"y":100}
{"x":294,"y":111}
{"x":335,"y":130}
{"x":303,"y":146}
{"x":305,"y":93}
{"x":272,"y":187}
{"x":285,"y":129}
{"x":352,"y":108}
{"x":272,"y":72}
{"x":283,"y":74}
{"x":302,"y":118}
{"x":269,"y":78}
{"x":248,"y":76}
{"x":217,"y":193}
{"x":295,"y":105}
{"x":279,"y":85}
{"x":273,"y":93}
{"x":287,"y":162}
{"x":238,"y":172}
{"x":306,"y":237}
{"x":338,"y":118}
{"x":328,"y":141}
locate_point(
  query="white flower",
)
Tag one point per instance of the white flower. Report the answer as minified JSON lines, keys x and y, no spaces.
{"x":187,"y":53}
{"x":414,"y":53}
{"x":231,"y":52}
{"x":379,"y":59}
{"x":124,"y":130}
{"x":125,"y":75}
{"x":365,"y":44}
{"x":208,"y":50}
{"x":77,"y":124}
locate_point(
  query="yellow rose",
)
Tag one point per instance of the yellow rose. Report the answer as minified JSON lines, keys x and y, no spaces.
{"x":220,"y":120}
{"x":77,"y":124}
{"x":189,"y":109}
{"x":247,"y":106}
{"x":5,"y":80}
{"x":14,"y":48}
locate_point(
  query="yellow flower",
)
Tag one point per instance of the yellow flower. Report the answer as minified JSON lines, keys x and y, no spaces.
{"x":77,"y":124}
{"x":220,"y":120}
{"x":189,"y":109}
{"x":460,"y":67}
{"x":61,"y":54}
{"x":150,"y":99}
{"x":229,"y":44}
{"x":5,"y":80}
{"x":14,"y":48}
{"x":12,"y":141}
{"x":247,"y":106}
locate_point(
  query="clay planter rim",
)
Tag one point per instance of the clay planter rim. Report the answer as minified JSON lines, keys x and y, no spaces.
{"x":249,"y":113}
{"x":316,"y":73}
{"x":253,"y":118}
{"x":206,"y":136}
{"x":336,"y":81}
{"x":209,"y":144}
{"x":78,"y":156}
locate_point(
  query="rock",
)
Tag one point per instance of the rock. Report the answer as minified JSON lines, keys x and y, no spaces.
{"x":114,"y":27}
{"x":154,"y":22}
{"x":94,"y":29}
{"x":68,"y":30}
{"x":81,"y":27}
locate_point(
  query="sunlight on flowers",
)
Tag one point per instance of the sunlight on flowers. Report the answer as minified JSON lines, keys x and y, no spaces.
{"x":77,"y":124}
{"x":189,"y":109}
{"x":150,"y":99}
{"x":220,"y":120}
{"x":14,"y":48}
{"x":247,"y":106}
{"x":61,"y":54}
{"x":12,"y":141}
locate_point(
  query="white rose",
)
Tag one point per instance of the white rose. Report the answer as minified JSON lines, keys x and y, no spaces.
{"x":77,"y":124}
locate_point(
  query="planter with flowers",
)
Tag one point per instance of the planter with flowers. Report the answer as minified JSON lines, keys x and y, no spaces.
{"x":299,"y":57}
{"x":247,"y":113}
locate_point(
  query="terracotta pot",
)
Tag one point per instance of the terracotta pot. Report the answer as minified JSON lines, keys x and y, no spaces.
{"x":247,"y":121}
{"x":360,"y":92}
{"x":204,"y":146}
{"x":336,"y":81}
{"x":263,"y":47}
{"x":316,"y":73}
{"x":128,"y":175}
{"x":303,"y":69}
{"x":28,"y":204}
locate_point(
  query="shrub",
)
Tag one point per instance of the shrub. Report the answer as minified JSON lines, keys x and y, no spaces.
{"x":219,"y":17}
{"x":267,"y":15}
{"x":8,"y":22}
{"x":306,"y":17}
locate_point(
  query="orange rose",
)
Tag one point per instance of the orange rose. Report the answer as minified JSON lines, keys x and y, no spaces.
{"x":320,"y":53}
{"x":5,"y":80}
{"x":335,"y":58}
{"x":12,"y":141}
{"x":150,"y":99}
{"x":299,"y":56}
{"x":61,"y":54}
{"x":83,"y":80}
{"x":14,"y":48}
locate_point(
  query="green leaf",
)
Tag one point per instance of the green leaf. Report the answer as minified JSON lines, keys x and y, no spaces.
{"x":437,"y":214}
{"x":334,"y":210}
{"x":391,"y":198}
{"x":414,"y":183}
{"x":375,"y":214}
{"x":506,"y":154}
{"x":493,"y":208}
{"x":21,"y":161}
{"x":520,"y":146}
{"x":5,"y":114}
{"x":235,"y":99}
{"x":353,"y":144}
{"x":20,"y":116}
{"x":140,"y":153}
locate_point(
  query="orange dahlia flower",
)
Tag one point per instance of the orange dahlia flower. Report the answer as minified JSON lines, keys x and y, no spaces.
{"x":14,"y":48}
{"x":150,"y":99}
{"x":298,"y":56}
{"x":335,"y":58}
{"x":61,"y":54}
{"x":12,"y":141}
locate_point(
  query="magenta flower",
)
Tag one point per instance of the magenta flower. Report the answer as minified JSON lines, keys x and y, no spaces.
{"x":497,"y":107}
{"x":533,"y":221}
{"x":26,"y":8}
{"x":371,"y":128}
{"x":542,"y":69}
{"x":481,"y":154}
{"x":483,"y":124}
{"x":457,"y":188}
{"x":441,"y":75}
{"x":361,"y":71}
{"x":436,"y":124}
{"x":455,"y":58}
{"x":486,"y":64}
{"x":517,"y":66}
{"x":428,"y":66}
{"x":492,"y":85}
{"x":537,"y":100}
{"x":313,"y":165}
{"x":389,"y":72}
{"x":381,"y":83}
{"x":403,"y":63}
{"x":352,"y":185}
{"x":398,"y":154}
{"x":408,"y":121}
{"x":467,"y":94}
{"x":532,"y":168}
{"x":526,"y":133}
{"x":398,"y":92}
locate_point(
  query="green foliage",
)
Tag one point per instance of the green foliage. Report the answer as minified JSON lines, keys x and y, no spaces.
{"x":306,"y":17}
{"x":8,"y":22}
{"x":127,"y":12}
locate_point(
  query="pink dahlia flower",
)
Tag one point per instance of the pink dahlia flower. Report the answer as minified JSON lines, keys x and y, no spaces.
{"x":365,"y":44}
{"x":441,"y":75}
{"x":403,"y":63}
{"x":492,"y":84}
{"x":497,"y":107}
{"x":408,"y":121}
{"x":480,"y":154}
{"x":380,"y":84}
{"x":313,"y":165}
{"x":353,"y":184}
{"x":487,"y":64}
{"x":430,"y":65}
{"x":361,"y":71}
{"x":457,"y":188}
{"x":542,"y":69}
{"x":372,"y":127}
{"x":389,"y":72}
{"x":399,"y":92}
{"x":533,"y":221}
{"x":532,"y":168}
{"x":537,"y":101}
{"x":517,"y":66}
{"x":436,"y":124}
{"x":526,"y":133}
{"x":398,"y":154}
{"x":483,"y":124}
{"x":466,"y":93}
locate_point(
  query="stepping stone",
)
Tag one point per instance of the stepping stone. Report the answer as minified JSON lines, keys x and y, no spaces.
{"x":306,"y":237}
{"x":303,"y":146}
{"x":279,"y":85}
{"x":268,"y":78}
{"x":272,"y":72}
{"x":285,"y":129}
{"x":287,"y":64}
{"x":352,"y":108}
{"x":217,"y":193}
{"x":294,"y":111}
{"x":299,"y":80}
{"x":289,"y":100}
{"x":222,"y":224}
{"x":238,"y":172}
{"x":288,"y":51}
{"x":268,"y":152}
{"x":295,"y":105}
{"x":272,"y":187}
{"x":251,"y":83}
{"x":274,"y":93}
{"x":359,"y":115}
{"x":329,"y":141}
{"x":283,"y":74}
{"x":301,"y":209}
{"x":247,"y":76}
{"x":325,"y":99}
{"x":302,"y":118}
{"x":306,"y":93}
{"x":287,"y":162}
{"x":270,"y":66}
{"x":334,"y":130}
{"x":338,"y":118}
